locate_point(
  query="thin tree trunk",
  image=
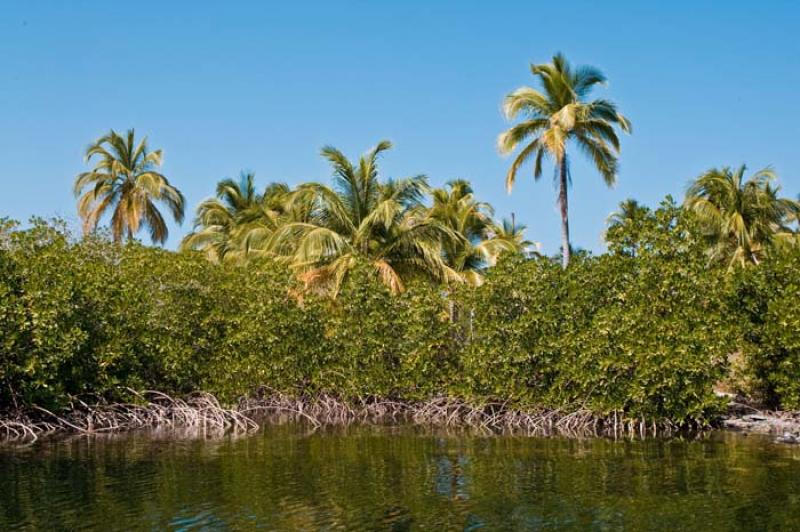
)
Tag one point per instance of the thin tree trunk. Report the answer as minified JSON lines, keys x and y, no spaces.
{"x":562,"y":203}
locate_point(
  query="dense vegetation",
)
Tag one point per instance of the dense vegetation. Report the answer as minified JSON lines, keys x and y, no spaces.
{"x":646,"y":329}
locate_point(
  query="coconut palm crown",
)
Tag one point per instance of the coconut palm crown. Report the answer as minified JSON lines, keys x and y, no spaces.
{"x":218,"y":219}
{"x":556,"y":117}
{"x":362,"y":218}
{"x":479,"y":240}
{"x":126,"y":181}
{"x":743,"y":220}
{"x":512,"y":234}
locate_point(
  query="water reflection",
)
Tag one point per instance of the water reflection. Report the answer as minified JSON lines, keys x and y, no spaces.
{"x":450,"y":478}
{"x":400,"y":479}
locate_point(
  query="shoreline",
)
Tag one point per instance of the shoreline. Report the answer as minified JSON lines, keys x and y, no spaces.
{"x":202,"y":415}
{"x":785,"y":425}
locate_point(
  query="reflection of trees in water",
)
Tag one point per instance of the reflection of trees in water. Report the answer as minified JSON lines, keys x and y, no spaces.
{"x":451,"y":479}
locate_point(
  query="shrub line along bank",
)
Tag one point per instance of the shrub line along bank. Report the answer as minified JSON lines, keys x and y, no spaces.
{"x":644,"y":331}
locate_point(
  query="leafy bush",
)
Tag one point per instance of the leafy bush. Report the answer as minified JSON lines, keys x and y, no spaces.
{"x":51,"y":323}
{"x":266,"y":336}
{"x":766,"y":303}
{"x":91,"y":317}
{"x":384,"y":345}
{"x":614,"y":333}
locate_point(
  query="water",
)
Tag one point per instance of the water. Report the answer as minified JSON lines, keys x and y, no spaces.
{"x":400,"y":479}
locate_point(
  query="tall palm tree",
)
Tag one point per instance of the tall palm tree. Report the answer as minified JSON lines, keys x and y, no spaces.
{"x":556,"y":116}
{"x":126,"y":179}
{"x":743,"y":220}
{"x":361,"y":218}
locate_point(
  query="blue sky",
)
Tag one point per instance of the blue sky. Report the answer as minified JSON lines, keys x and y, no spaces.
{"x":261,"y":86}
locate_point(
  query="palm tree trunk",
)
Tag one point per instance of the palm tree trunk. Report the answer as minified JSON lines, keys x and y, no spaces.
{"x":563,"y":205}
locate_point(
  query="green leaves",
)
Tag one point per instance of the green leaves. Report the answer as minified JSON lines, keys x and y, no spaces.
{"x":766,"y":300}
{"x":636,"y":335}
{"x":645,"y":331}
{"x":742,"y":221}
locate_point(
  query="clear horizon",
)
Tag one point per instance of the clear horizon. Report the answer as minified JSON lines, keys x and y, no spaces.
{"x":223,"y":89}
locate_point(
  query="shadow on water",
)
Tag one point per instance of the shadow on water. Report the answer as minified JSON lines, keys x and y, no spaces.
{"x":396,"y":478}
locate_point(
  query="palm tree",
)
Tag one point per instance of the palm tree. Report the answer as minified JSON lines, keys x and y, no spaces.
{"x":362,"y":218}
{"x":629,"y":211}
{"x":218,"y":220}
{"x":126,"y":180}
{"x":478,"y":239}
{"x":257,"y":224}
{"x":553,"y":117}
{"x":743,"y":220}
{"x":512,"y":235}
{"x":456,"y":208}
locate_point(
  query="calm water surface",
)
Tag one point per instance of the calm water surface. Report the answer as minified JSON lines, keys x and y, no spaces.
{"x":400,"y":479}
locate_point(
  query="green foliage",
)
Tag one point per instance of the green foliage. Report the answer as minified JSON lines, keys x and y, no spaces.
{"x":385,"y":345}
{"x":645,"y":330}
{"x":269,"y":339}
{"x":767,"y":302}
{"x":613,"y":333}
{"x":667,"y":232}
{"x":92,"y":317}
{"x":742,"y":221}
{"x":43,"y":327}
